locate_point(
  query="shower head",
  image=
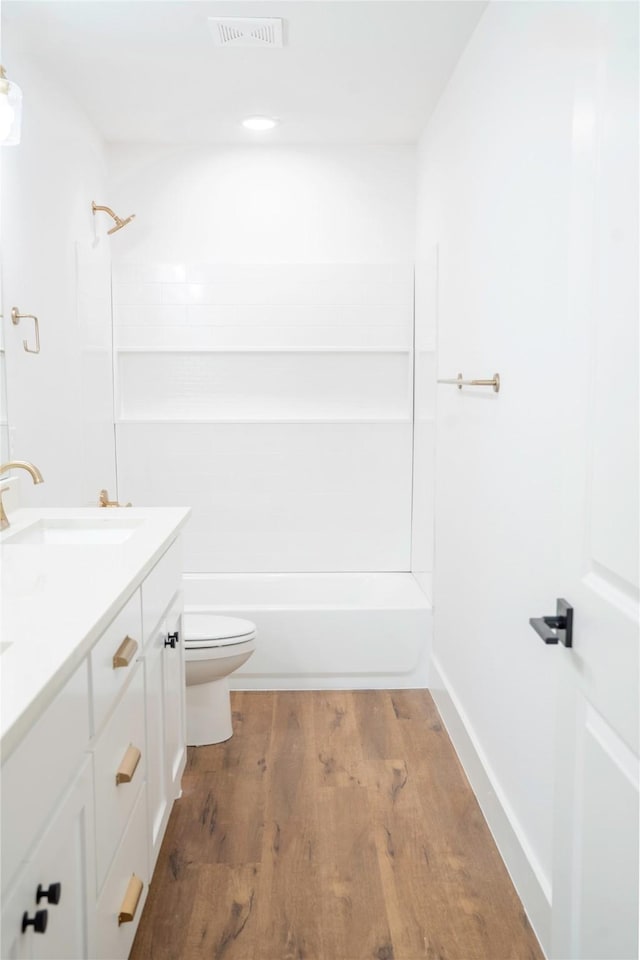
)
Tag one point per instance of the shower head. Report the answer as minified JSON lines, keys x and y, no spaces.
{"x":114,"y":216}
{"x":121,"y":223}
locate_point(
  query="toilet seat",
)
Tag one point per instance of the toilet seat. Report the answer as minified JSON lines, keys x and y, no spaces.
{"x":206,"y":631}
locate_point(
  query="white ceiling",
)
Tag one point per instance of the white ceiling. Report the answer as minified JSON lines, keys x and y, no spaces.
{"x":352,"y":71}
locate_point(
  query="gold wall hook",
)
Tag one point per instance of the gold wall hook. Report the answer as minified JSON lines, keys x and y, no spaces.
{"x":16,"y":317}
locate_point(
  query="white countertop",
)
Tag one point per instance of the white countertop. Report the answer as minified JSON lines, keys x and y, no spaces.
{"x":56,"y":600}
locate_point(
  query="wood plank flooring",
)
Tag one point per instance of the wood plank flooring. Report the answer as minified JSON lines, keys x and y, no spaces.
{"x":334,"y":825}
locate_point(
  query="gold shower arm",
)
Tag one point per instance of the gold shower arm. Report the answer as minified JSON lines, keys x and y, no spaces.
{"x":95,"y":207}
{"x":114,"y":216}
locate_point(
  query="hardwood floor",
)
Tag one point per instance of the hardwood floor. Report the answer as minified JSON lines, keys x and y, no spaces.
{"x":334,"y":825}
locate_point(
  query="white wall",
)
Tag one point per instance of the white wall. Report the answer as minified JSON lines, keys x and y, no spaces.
{"x":263,"y":316}
{"x":56,"y":265}
{"x":494,"y":201}
{"x":265,"y":204}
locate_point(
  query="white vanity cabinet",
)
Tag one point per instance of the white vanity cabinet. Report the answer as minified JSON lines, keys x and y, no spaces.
{"x":87,"y":793}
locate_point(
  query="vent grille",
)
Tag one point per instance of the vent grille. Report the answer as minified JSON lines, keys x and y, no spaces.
{"x":246,"y":31}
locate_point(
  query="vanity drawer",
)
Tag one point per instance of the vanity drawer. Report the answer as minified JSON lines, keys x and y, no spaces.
{"x":115,"y":758}
{"x":113,"y":939}
{"x":113,"y":658}
{"x":160,"y":587}
{"x":38,"y":771}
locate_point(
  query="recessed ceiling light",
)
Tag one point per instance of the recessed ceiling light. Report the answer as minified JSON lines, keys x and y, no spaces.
{"x":259,"y":123}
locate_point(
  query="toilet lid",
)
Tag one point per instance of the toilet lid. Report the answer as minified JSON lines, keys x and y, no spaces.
{"x":209,"y":630}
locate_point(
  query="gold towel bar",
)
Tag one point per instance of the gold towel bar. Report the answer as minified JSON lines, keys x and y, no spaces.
{"x":460,"y":383}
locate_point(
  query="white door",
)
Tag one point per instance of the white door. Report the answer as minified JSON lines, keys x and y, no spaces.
{"x":531,"y":186}
{"x":595,"y":876}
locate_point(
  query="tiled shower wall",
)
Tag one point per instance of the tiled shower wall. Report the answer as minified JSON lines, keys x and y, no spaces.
{"x":276,"y":400}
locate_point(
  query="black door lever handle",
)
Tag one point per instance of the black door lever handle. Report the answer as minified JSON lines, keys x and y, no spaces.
{"x":558,"y":629}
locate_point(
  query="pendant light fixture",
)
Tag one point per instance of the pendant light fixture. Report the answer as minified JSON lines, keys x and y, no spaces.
{"x":10,"y":111}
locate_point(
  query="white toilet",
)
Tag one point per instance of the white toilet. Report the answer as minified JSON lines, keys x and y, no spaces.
{"x":214,"y":647}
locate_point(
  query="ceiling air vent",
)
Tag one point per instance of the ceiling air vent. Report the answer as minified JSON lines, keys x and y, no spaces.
{"x":246,"y":31}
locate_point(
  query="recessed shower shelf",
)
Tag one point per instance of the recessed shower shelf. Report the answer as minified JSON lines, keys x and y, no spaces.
{"x":193,"y":421}
{"x":263,"y":385}
{"x":197,"y":350}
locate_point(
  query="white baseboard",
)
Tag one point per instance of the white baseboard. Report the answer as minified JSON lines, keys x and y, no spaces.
{"x":417,"y":679}
{"x":533,"y":887}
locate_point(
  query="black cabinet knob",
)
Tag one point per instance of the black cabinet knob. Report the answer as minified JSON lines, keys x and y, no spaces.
{"x":172,"y":639}
{"x":51,"y":895}
{"x":38,"y":921}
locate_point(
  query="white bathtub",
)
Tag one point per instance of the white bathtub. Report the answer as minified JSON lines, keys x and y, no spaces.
{"x":324,"y":630}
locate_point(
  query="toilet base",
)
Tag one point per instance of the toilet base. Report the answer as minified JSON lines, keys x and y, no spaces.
{"x":208,"y":713}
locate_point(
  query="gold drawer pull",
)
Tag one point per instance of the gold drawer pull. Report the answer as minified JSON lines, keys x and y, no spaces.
{"x":125,"y":653}
{"x":131,"y":900}
{"x":128,"y":766}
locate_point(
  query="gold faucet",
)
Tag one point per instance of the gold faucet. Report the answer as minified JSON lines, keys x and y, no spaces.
{"x":104,"y":501}
{"x":36,"y":476}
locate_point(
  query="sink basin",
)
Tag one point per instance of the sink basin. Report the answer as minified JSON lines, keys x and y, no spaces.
{"x":73,"y":532}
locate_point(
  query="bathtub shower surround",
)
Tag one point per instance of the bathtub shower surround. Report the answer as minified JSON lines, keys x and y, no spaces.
{"x":323,"y":630}
{"x":277,"y":400}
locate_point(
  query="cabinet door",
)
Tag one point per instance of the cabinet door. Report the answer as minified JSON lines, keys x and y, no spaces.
{"x":157,"y":776}
{"x":174,"y":700}
{"x":64,"y":856}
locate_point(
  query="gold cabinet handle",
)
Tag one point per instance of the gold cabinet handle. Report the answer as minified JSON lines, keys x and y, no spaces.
{"x":125,"y":653}
{"x":128,"y":765}
{"x":131,"y":900}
